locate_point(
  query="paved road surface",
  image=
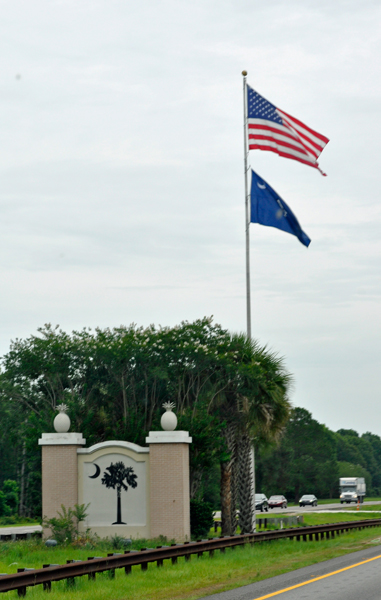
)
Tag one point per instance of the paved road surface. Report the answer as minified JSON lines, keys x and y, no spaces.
{"x":320,"y":507}
{"x":358,"y":578}
{"x":301,"y":509}
{"x":20,"y":529}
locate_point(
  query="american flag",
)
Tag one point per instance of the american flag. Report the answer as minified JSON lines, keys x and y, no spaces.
{"x":272,"y":129}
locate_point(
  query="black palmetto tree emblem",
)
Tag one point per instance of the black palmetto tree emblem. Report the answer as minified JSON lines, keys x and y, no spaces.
{"x":119,"y":477}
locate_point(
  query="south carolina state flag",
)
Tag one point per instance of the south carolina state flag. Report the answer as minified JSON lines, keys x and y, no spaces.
{"x":268,"y":208}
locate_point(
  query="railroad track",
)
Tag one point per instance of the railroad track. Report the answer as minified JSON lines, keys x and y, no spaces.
{"x":25,"y":578}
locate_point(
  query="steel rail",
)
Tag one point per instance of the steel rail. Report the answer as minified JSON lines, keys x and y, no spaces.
{"x":30,"y":577}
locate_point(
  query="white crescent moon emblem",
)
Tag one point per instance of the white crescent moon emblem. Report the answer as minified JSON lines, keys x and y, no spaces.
{"x":261,"y":185}
{"x":97,"y":472}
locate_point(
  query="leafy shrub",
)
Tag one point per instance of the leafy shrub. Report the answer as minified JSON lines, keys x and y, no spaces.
{"x":8,"y":520}
{"x":116,"y":542}
{"x":65,"y":527}
{"x":201,"y":517}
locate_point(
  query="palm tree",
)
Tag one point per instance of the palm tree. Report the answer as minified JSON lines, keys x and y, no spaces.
{"x":228,"y":520}
{"x":116,"y":477}
{"x":255,"y":407}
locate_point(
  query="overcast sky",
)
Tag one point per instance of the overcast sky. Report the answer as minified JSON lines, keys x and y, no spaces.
{"x":122,"y":190}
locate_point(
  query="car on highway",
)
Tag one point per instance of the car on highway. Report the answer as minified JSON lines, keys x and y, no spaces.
{"x":261,"y":502}
{"x":308,"y":500}
{"x":277,"y":502}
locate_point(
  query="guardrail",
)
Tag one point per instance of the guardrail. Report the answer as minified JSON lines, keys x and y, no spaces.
{"x":93,"y":565}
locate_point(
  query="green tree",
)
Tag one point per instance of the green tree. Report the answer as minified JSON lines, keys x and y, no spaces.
{"x":5,"y":510}
{"x":115,"y":381}
{"x":304,"y":462}
{"x":255,"y":406}
{"x":10,"y":435}
{"x":375,"y":442}
{"x":360,"y":450}
{"x":10,"y":489}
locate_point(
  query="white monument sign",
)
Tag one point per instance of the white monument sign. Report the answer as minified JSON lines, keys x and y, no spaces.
{"x":113,"y":479}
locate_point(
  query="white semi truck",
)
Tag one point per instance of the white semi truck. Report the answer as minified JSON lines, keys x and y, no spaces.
{"x":352,"y":489}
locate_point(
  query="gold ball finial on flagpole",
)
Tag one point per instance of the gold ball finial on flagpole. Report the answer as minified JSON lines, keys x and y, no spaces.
{"x":244,"y":73}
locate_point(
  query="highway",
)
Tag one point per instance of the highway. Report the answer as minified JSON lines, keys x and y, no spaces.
{"x":276,"y":512}
{"x":319,"y":508}
{"x":356,"y":576}
{"x":17,"y":529}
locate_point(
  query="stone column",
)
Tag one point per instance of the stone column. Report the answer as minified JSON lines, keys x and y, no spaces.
{"x":169,"y":484}
{"x":59,"y":471}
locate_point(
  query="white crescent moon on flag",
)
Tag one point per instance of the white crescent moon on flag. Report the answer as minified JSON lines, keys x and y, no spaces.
{"x":261,"y":185}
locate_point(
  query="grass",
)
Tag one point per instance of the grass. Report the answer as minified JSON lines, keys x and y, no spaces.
{"x":322,"y":518}
{"x":373,"y":507}
{"x":33,"y":553}
{"x":186,"y":580}
{"x":20,"y":524}
{"x":16,"y":521}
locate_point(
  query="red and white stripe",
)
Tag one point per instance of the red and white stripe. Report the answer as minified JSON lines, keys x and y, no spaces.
{"x":293,"y":139}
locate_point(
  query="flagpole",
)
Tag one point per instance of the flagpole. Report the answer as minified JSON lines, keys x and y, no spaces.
{"x":247,"y":211}
{"x":248,"y":298}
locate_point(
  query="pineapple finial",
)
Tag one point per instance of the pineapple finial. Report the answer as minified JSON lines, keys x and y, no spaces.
{"x":168,"y":419}
{"x":62,"y":420}
{"x":169,"y":405}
